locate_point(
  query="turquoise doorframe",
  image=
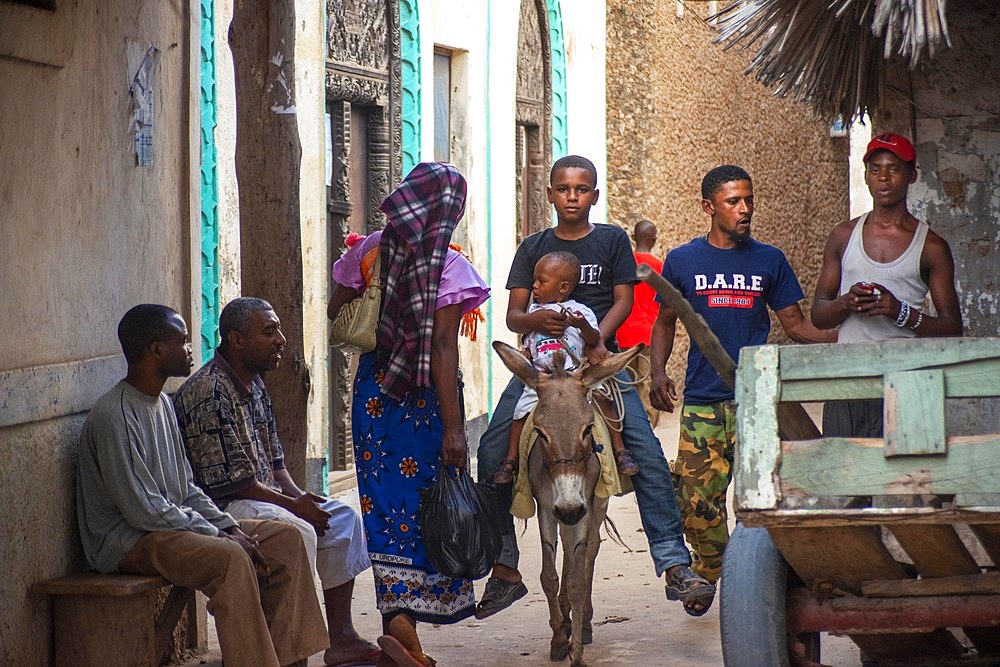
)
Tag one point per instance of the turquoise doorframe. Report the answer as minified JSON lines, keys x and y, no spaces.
{"x":209,"y":187}
{"x":560,"y":126}
{"x":409,"y":51}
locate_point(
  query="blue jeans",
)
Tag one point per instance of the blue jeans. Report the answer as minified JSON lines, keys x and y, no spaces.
{"x":654,"y":489}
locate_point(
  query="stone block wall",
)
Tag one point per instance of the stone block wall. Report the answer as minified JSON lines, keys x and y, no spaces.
{"x":678,"y":105}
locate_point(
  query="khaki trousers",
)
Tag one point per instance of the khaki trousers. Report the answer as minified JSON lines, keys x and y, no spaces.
{"x":265,"y":621}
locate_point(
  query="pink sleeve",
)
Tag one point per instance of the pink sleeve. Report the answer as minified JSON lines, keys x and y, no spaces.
{"x":461,"y":283}
{"x":347,"y":269}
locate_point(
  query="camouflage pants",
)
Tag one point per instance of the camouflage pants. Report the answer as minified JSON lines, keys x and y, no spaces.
{"x":702,"y":474}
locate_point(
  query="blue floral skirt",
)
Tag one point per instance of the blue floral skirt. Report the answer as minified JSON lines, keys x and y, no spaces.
{"x":397,"y":449}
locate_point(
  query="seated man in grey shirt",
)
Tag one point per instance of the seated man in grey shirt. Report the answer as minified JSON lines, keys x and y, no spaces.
{"x":140,"y":511}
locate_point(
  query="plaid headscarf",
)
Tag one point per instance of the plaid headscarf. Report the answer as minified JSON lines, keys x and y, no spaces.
{"x":421,"y":213}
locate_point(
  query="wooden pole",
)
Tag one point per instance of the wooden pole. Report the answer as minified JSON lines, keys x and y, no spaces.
{"x":793,"y":421}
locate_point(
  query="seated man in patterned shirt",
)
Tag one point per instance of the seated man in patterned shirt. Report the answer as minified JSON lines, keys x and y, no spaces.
{"x":232,"y":442}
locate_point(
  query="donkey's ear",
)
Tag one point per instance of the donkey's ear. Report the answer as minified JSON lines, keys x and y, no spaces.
{"x":517,"y":363}
{"x":591,"y":376}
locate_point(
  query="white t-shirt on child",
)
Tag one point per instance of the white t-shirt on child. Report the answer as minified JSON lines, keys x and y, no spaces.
{"x":542,"y":347}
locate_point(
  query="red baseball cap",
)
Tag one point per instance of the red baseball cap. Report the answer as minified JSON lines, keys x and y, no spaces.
{"x":897,"y":144}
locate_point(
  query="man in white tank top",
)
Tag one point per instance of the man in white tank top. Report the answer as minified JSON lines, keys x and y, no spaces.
{"x":877,"y":272}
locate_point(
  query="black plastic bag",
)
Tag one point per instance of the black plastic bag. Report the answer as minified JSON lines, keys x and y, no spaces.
{"x":460,"y":524}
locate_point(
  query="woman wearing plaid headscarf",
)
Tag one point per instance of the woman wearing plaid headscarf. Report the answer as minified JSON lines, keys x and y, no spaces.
{"x":408,"y":417}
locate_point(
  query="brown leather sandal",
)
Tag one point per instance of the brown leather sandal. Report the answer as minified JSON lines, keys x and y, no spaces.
{"x":505,"y":473}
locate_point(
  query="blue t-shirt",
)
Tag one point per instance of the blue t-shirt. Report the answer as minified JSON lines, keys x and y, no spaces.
{"x":732,"y":289}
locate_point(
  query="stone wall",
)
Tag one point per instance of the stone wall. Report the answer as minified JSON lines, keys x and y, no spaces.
{"x":678,"y":106}
{"x":948,"y":105}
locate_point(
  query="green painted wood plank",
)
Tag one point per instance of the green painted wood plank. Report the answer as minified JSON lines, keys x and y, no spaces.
{"x":757,"y":390}
{"x":858,"y":467}
{"x":831,"y":389}
{"x":914,"y":413}
{"x":962,"y":380}
{"x":839,"y":360}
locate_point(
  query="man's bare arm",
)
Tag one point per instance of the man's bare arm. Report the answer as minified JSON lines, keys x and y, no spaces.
{"x":662,"y":392}
{"x":801,"y":330}
{"x":938,"y":266}
{"x":829,"y":307}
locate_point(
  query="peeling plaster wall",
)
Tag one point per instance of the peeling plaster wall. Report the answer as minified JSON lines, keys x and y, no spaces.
{"x":954,"y":119}
{"x":678,"y":106}
{"x":310,"y":107}
{"x":85,"y":235}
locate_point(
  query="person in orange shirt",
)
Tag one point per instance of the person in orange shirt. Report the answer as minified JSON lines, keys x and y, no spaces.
{"x":636,"y":328}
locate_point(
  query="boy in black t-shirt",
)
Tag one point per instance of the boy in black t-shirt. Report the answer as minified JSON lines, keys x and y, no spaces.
{"x":607,"y":278}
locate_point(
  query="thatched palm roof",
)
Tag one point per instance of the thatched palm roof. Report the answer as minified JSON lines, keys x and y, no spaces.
{"x":831,"y":53}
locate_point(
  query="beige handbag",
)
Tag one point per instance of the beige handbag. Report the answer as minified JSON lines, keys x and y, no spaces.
{"x":356,"y":326}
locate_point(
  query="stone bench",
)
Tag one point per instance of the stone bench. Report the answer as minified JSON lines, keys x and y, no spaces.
{"x":115,"y":619}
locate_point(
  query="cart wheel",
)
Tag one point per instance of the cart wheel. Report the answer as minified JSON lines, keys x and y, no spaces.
{"x":752,"y":602}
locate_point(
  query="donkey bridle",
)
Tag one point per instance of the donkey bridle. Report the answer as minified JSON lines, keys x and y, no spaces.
{"x":573,"y":459}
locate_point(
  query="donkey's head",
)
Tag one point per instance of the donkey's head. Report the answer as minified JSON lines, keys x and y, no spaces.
{"x":563,"y":420}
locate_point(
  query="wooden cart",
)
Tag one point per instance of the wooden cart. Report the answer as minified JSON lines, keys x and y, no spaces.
{"x":894,"y":542}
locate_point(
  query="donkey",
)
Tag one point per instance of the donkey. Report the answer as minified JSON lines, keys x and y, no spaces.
{"x":563,"y":471}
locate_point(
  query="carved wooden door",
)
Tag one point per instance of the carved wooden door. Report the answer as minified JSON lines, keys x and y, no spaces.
{"x":533,"y":131}
{"x":362,"y":92}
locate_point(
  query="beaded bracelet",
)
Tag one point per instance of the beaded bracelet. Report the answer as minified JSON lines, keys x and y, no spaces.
{"x":920,"y":318}
{"x":904,"y":314}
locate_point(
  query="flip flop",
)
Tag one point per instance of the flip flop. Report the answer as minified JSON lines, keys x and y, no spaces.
{"x":393,"y":648}
{"x":369,"y":658}
{"x":499,"y":595}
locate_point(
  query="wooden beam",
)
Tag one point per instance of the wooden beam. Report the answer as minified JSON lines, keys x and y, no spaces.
{"x":757,"y":423}
{"x":93,"y":583}
{"x":988,"y":535}
{"x":876,"y":359}
{"x":174,"y":606}
{"x":937,"y":551}
{"x":842,"y":556}
{"x":964,"y":380}
{"x":858,"y":467}
{"x":794,"y":422}
{"x":696,"y":326}
{"x":914,"y":412}
{"x":967,"y":584}
{"x":984,"y":521}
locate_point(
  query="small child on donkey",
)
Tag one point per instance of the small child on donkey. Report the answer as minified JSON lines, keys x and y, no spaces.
{"x":556,"y":275}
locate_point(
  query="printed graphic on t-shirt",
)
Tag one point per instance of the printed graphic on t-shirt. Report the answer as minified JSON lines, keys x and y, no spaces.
{"x":590,"y":274}
{"x":737,"y":290}
{"x":546,"y":346}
